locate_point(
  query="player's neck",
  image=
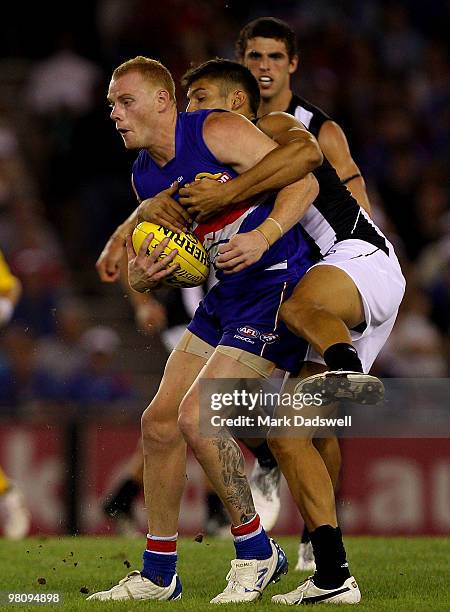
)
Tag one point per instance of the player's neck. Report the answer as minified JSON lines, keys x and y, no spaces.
{"x":280,"y":102}
{"x":162,"y":149}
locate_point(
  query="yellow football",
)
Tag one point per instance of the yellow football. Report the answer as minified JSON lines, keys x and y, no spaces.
{"x":192,"y":257}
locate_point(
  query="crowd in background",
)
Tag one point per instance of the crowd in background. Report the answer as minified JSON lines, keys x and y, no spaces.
{"x":380,"y":69}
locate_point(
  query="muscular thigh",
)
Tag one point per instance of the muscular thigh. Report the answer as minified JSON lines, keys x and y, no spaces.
{"x":219,"y":366}
{"x":331,"y":288}
{"x":182,"y":368}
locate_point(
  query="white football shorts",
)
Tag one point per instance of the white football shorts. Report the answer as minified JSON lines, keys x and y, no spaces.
{"x":381,"y":284}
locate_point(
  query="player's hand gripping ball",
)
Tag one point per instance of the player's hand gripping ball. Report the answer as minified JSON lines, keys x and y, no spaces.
{"x":192,"y":257}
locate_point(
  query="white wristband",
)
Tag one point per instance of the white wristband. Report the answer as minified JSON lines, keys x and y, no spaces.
{"x":6,"y":310}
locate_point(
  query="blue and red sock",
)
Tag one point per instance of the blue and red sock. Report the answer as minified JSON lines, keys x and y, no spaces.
{"x":160,"y":559}
{"x":251,"y":541}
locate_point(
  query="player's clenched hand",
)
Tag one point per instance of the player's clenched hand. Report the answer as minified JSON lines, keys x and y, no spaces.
{"x":241,"y":251}
{"x":162,"y":209}
{"x":204,"y":198}
{"x":108,"y":264}
{"x":146,"y":271}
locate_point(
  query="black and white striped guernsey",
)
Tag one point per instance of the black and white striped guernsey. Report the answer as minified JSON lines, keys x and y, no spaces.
{"x":311,"y":116}
{"x":335,"y":215}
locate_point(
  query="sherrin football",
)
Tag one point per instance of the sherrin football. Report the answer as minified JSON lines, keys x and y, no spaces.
{"x":192,"y":257}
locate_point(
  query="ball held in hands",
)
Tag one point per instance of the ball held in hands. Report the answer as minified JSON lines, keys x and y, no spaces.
{"x":192,"y":258}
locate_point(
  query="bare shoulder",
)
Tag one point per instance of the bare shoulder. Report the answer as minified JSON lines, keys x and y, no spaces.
{"x":234,"y":140}
{"x":276,"y":122}
{"x":332,"y":136}
{"x":221,"y":121}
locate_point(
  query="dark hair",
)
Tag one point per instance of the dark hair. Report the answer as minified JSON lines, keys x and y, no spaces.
{"x":266,"y":27}
{"x":230,"y":74}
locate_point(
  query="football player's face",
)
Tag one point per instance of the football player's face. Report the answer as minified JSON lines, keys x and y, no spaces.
{"x":132,"y":99}
{"x":268,"y":60}
{"x":205,"y":94}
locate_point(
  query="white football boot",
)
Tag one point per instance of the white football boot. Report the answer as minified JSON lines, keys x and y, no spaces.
{"x":265,"y":487}
{"x":306,"y":561}
{"x":135,"y":586}
{"x":17,"y":518}
{"x":247,"y":579}
{"x":309,"y":593}
{"x":343,"y":385}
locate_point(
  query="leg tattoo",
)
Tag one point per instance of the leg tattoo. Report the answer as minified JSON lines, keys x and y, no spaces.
{"x":236,"y":488}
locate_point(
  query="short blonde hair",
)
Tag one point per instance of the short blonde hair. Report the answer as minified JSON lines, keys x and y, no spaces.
{"x":149,"y":68}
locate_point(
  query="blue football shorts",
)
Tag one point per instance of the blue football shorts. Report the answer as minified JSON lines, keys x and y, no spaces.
{"x":247,"y":318}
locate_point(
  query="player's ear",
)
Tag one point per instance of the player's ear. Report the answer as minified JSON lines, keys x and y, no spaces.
{"x":293,"y":64}
{"x":163,"y":99}
{"x":238,"y":99}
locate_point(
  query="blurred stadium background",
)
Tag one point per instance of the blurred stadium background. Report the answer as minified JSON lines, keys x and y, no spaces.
{"x":75,"y":373}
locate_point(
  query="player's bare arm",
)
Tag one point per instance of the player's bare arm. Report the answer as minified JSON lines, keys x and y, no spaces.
{"x":285,"y":130}
{"x":161,"y":209}
{"x":247,"y":248}
{"x":334,"y":145}
{"x":205,"y":198}
{"x":252,"y":144}
{"x":146,"y":270}
{"x":109,"y":265}
{"x":150,"y":315}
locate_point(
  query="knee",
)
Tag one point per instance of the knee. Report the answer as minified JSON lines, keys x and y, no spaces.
{"x":188,"y":422}
{"x":157,"y":430}
{"x":297,"y":311}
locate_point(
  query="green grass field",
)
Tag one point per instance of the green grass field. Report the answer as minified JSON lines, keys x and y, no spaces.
{"x":393,"y":573}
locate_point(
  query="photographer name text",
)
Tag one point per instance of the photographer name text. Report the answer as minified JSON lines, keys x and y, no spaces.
{"x":267,"y":421}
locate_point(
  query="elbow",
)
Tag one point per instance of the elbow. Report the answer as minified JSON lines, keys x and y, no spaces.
{"x":314,"y":188}
{"x":310,"y":155}
{"x":315,"y":155}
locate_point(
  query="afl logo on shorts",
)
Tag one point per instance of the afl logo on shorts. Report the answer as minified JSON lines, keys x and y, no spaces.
{"x":269,"y":337}
{"x":248,"y":331}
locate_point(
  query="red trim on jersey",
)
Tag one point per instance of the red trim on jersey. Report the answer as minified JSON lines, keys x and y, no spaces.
{"x":165,"y":546}
{"x":221,"y":220}
{"x":246,"y":528}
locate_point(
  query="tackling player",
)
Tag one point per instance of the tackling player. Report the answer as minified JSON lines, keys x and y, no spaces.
{"x":360,"y":273}
{"x":268,"y":47}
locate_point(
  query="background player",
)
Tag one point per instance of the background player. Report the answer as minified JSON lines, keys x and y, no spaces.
{"x":268,"y":47}
{"x":16,"y":519}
